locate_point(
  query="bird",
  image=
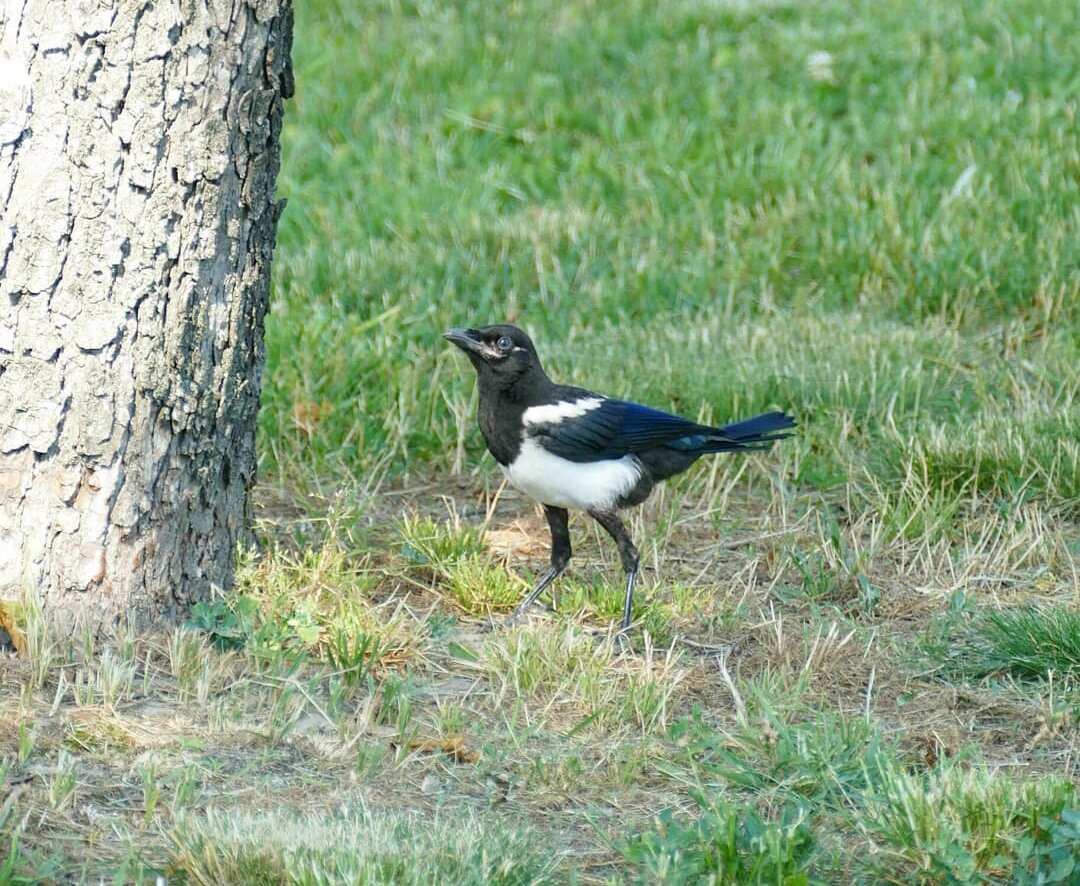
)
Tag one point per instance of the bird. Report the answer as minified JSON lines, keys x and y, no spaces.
{"x":572,"y":449}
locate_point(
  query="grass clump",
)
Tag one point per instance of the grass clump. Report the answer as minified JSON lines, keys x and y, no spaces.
{"x":355,"y":845}
{"x":1029,"y":641}
{"x":1003,"y":455}
{"x":481,"y":587}
{"x":956,"y":824}
{"x":726,"y":844}
{"x":456,"y":555}
{"x":601,"y":599}
{"x":439,"y":545}
{"x":819,"y":759}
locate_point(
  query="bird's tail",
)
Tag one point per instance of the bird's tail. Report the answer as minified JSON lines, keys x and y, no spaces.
{"x":759,"y":432}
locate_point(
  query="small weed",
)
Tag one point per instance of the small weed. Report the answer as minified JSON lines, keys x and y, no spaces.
{"x":916,"y":506}
{"x":82,"y":688}
{"x":836,"y":570}
{"x":597,"y":597}
{"x":27,"y":738}
{"x":301,"y":627}
{"x":601,"y":601}
{"x":5,"y":768}
{"x":440,"y":625}
{"x":456,"y":555}
{"x":575,"y":672}
{"x":150,"y":777}
{"x":390,"y":636}
{"x":648,"y":691}
{"x":12,"y":863}
{"x":936,"y":645}
{"x":352,"y":657}
{"x":316,"y":604}
{"x":185,"y":785}
{"x":187,"y":653}
{"x":395,"y":702}
{"x":817,"y":581}
{"x":115,"y":678}
{"x":451,"y":718}
{"x":41,"y":644}
{"x":97,"y":734}
{"x":369,"y":755}
{"x":62,"y":783}
{"x":228,"y":621}
{"x":198,"y":669}
{"x":556,"y":771}
{"x":287,"y":704}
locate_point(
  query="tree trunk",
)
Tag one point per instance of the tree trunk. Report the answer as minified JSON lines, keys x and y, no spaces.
{"x":139,"y":146}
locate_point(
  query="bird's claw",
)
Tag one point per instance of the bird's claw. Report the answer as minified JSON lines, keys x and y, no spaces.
{"x":622,"y":639}
{"x":510,"y":622}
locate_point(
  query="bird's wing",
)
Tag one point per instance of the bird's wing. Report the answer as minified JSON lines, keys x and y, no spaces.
{"x":595,"y":428}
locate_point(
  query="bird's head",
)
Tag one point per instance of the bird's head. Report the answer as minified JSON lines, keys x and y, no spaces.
{"x":502,"y":354}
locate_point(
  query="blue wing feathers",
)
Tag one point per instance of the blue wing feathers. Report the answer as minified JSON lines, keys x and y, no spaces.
{"x":618,"y":427}
{"x":759,"y":432}
{"x":767,"y":423}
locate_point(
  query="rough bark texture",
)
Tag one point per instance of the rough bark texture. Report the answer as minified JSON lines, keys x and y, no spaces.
{"x":138,"y":155}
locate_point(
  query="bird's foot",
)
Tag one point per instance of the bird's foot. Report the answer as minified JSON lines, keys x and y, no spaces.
{"x":618,"y":641}
{"x":517,"y":618}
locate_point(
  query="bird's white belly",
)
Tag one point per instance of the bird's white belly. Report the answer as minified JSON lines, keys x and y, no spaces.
{"x":553,"y":480}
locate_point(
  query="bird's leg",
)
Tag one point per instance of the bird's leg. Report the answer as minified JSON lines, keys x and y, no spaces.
{"x":560,"y":556}
{"x":627,"y":553}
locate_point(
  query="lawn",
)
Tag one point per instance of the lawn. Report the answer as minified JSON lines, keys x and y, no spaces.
{"x":857,"y":656}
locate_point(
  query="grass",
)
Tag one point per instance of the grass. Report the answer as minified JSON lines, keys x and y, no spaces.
{"x":955,"y":825}
{"x":1031,"y":642}
{"x":354,"y":846}
{"x":724,"y":845}
{"x":576,"y":167}
{"x":857,"y":654}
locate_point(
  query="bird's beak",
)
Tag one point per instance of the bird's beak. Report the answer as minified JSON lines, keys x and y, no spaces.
{"x":466,"y":339}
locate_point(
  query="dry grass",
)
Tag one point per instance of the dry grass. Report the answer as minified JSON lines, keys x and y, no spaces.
{"x":778,"y":682}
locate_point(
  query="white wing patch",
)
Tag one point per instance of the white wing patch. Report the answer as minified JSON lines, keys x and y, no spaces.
{"x":553,"y":480}
{"x":553,"y":413}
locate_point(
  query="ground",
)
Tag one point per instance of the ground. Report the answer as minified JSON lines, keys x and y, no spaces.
{"x":856,"y":655}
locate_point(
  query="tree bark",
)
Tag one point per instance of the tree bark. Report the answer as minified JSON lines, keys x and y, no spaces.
{"x":139,"y":147}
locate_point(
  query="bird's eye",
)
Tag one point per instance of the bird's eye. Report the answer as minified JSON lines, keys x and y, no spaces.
{"x":504,"y":343}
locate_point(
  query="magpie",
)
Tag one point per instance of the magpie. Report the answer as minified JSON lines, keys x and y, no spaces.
{"x":567,"y":447}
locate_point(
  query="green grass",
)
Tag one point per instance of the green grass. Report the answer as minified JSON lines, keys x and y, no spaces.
{"x":724,"y":845}
{"x":891,"y":254}
{"x":856,"y":657}
{"x":1030,"y":642}
{"x":953,"y":825}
